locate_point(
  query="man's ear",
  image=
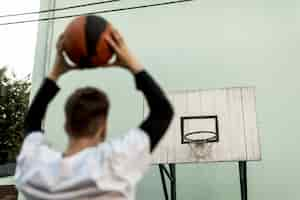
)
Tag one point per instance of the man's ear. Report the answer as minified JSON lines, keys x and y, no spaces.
{"x":102,"y":131}
{"x":67,"y":129}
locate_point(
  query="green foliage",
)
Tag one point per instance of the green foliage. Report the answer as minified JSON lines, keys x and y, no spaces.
{"x":14,"y":99}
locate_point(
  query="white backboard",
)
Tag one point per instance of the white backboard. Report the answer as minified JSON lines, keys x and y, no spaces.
{"x":229,"y":114}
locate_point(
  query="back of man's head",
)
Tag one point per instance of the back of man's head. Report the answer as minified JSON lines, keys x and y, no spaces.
{"x":86,"y":111}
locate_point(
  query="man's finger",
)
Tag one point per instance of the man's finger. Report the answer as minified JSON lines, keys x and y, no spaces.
{"x":117,"y":37}
{"x":60,"y":40}
{"x":112,"y":43}
{"x":60,"y":37}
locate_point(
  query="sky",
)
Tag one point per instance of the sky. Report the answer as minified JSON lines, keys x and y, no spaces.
{"x":17,"y":42}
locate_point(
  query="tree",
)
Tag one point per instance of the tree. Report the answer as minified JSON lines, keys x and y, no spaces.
{"x":14,"y":100}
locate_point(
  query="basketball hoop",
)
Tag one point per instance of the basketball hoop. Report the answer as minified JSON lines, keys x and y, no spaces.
{"x":200,"y":139}
{"x":200,"y":142}
{"x":203,"y":137}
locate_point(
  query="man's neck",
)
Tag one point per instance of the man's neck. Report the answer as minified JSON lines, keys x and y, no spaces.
{"x":77,"y":145}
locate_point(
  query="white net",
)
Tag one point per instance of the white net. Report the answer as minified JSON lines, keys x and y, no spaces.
{"x":200,"y":150}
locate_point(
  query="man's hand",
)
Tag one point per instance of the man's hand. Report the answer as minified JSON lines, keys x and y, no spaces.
{"x":124,"y":57}
{"x":60,"y":66}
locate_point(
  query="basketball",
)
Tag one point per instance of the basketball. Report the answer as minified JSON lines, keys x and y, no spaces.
{"x":84,"y":42}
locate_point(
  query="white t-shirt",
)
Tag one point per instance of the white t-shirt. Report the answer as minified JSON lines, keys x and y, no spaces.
{"x":108,"y":171}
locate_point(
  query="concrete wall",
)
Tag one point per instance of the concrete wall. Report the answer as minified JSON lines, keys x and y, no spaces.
{"x":203,"y":44}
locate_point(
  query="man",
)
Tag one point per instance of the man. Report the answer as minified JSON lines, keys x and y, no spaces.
{"x":90,"y":167}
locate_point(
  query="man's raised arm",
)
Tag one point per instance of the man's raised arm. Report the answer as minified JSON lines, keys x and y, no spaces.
{"x":47,"y":91}
{"x":161,"y":111}
{"x":37,"y":110}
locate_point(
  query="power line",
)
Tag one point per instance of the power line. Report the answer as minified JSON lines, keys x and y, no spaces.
{"x":58,"y":9}
{"x":97,"y":12}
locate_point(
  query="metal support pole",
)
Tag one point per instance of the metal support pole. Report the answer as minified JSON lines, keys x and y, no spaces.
{"x":171,"y":174}
{"x":243,"y":179}
{"x":173,"y":183}
{"x":163,"y":180}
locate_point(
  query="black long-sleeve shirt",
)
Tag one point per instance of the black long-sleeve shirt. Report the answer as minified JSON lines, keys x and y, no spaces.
{"x":155,"y":125}
{"x":161,"y":111}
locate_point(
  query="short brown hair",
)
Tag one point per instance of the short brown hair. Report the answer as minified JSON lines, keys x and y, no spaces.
{"x":84,"y":109}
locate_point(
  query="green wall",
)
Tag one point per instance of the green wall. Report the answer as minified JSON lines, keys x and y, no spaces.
{"x":205,"y":44}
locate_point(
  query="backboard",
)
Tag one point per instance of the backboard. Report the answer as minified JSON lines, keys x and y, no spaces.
{"x":220,"y":124}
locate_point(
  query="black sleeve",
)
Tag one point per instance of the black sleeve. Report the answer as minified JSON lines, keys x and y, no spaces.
{"x":161,"y":111}
{"x":37,"y":110}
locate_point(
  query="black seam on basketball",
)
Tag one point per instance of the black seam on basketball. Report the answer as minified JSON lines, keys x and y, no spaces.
{"x":94,"y":27}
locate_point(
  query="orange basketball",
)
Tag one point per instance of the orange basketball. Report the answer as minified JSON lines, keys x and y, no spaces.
{"x":84,"y":41}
